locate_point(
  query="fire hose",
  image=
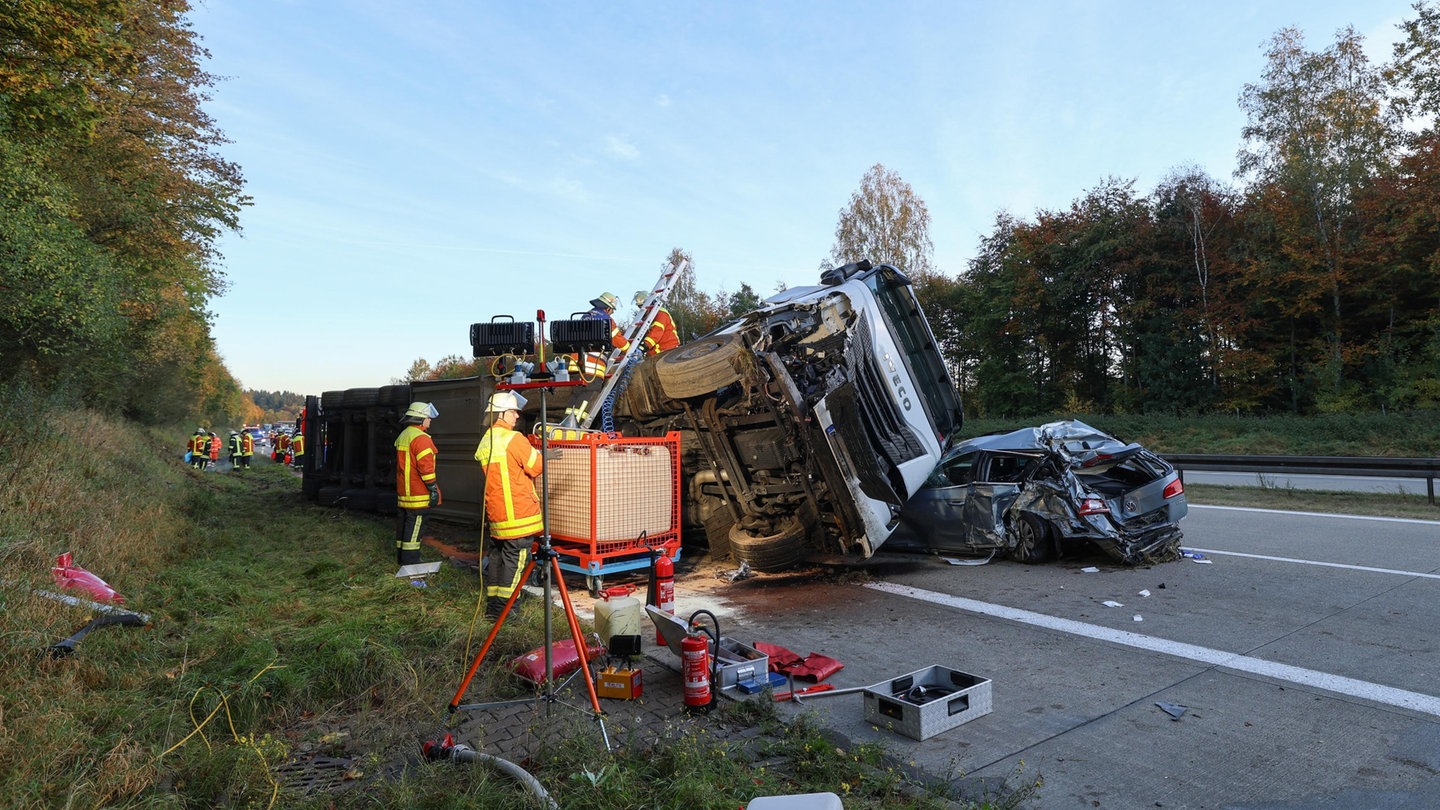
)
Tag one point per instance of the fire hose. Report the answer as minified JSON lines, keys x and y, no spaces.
{"x":460,"y":752}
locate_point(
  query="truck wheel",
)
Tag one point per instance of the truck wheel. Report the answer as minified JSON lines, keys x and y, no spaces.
{"x":1034,"y":541}
{"x":699,"y":367}
{"x":771,"y":553}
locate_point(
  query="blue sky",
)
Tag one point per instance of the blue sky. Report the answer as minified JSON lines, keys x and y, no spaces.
{"x":420,"y":166}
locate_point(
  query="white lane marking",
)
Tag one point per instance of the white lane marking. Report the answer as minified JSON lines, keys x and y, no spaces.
{"x":1378,"y":693}
{"x":1315,"y":514}
{"x":1317,"y":562}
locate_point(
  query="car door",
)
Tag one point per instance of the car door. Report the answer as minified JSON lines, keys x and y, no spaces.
{"x":936,"y":512}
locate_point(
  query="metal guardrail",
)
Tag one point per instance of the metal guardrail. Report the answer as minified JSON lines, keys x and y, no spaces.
{"x":1379,"y":467}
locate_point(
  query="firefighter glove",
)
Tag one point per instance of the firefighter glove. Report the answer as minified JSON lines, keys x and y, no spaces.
{"x":434,"y":493}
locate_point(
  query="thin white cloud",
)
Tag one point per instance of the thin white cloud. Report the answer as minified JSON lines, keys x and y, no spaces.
{"x":618,"y":147}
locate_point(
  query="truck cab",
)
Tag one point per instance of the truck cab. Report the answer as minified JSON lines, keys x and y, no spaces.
{"x":807,"y":423}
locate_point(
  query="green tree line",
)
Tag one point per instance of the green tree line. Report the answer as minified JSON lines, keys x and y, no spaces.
{"x":112,"y":197}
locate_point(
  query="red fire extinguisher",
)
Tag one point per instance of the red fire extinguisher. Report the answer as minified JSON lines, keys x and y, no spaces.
{"x":664,"y":590}
{"x":695,"y":667}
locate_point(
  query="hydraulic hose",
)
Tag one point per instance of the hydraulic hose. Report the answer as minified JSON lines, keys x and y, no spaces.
{"x":607,"y":416}
{"x":460,"y":752}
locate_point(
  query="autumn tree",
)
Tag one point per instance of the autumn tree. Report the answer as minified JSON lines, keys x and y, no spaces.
{"x":1318,"y":129}
{"x":693,"y":311}
{"x":101,"y":113}
{"x":885,"y":222}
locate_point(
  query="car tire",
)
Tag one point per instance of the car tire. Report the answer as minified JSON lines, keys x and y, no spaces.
{"x":770,"y":553}
{"x":700,"y":367}
{"x":1034,"y":540}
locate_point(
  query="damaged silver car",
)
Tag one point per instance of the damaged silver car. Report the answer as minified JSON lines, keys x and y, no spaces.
{"x":1037,"y":493}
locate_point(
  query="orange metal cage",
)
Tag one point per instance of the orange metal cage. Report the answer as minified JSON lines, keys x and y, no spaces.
{"x":612,"y":499}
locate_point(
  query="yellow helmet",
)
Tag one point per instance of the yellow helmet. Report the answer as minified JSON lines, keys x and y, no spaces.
{"x":420,"y":411}
{"x":640,"y":296}
{"x":605,"y":300}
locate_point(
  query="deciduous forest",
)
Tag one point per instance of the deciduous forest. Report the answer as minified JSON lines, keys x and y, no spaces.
{"x":1307,"y":283}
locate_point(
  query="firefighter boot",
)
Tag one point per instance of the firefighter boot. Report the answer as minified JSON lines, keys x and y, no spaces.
{"x":493,"y":606}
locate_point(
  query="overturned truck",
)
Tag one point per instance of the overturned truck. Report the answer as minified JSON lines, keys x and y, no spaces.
{"x":804,"y":426}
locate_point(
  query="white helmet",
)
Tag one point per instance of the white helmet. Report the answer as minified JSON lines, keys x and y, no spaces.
{"x":640,"y":297}
{"x":420,"y":411}
{"x":502,"y":401}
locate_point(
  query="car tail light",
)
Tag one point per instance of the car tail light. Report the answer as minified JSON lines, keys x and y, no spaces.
{"x":1173,"y":488}
{"x":1093,"y":506}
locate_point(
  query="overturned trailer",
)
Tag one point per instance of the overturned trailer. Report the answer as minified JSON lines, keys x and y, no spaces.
{"x":803,"y":426}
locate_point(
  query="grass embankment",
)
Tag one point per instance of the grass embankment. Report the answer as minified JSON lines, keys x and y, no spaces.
{"x":277,"y":629}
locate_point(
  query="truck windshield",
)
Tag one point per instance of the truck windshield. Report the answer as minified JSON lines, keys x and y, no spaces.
{"x":922,"y":355}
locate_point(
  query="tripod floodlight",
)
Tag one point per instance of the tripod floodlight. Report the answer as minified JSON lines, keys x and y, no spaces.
{"x":499,"y":337}
{"x":580,"y":335}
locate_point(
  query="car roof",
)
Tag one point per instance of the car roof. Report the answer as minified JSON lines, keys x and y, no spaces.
{"x":1073,"y":436}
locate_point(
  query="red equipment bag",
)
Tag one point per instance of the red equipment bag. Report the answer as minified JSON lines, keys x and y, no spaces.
{"x":563,"y":660}
{"x":785,"y":662}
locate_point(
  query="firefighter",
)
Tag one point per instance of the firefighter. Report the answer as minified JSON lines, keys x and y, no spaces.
{"x":247,"y":448}
{"x":199,"y":448}
{"x":662,"y":335}
{"x":511,"y":466}
{"x":602,"y":309}
{"x":234,"y":450}
{"x":416,"y":488}
{"x":214,"y":451}
{"x":297,"y":447}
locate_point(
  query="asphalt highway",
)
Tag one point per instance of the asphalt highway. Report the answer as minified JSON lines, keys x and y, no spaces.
{"x":1291,"y":664}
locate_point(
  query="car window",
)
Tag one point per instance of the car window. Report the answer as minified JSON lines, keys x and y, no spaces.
{"x":1006,"y":468}
{"x":952,"y":472}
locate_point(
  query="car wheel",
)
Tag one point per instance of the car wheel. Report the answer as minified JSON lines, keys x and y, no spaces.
{"x":1034,"y":541}
{"x":771,"y":553}
{"x":699,"y":367}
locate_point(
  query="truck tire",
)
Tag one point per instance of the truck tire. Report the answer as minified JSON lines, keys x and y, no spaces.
{"x":644,"y":398}
{"x":700,"y":367}
{"x":772,"y":553}
{"x":362,"y":397}
{"x":395,"y":395}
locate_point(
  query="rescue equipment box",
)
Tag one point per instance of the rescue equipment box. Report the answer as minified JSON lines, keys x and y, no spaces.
{"x":611,"y":499}
{"x":927,"y":701}
{"x":736,"y":662}
{"x":620,"y":684}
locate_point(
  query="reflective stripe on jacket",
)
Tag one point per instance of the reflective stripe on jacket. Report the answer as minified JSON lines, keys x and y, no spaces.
{"x":200,"y":444}
{"x":297,"y":444}
{"x":247,"y":444}
{"x":511,"y":466}
{"x":414,"y":468}
{"x":663,"y":335}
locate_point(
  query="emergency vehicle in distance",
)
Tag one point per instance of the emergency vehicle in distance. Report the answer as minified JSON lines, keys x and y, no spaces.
{"x":804,"y":425}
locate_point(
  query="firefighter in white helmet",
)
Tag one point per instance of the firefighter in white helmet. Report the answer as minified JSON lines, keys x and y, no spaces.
{"x":512,"y":466}
{"x":416,"y":486}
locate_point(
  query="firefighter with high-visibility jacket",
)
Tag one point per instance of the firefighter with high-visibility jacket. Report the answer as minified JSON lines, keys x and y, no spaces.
{"x":602,"y":309}
{"x":416,"y":487}
{"x":247,"y":448}
{"x":234,"y":449}
{"x":512,"y":506}
{"x":199,"y":448}
{"x":662,"y":336}
{"x":297,"y":447}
